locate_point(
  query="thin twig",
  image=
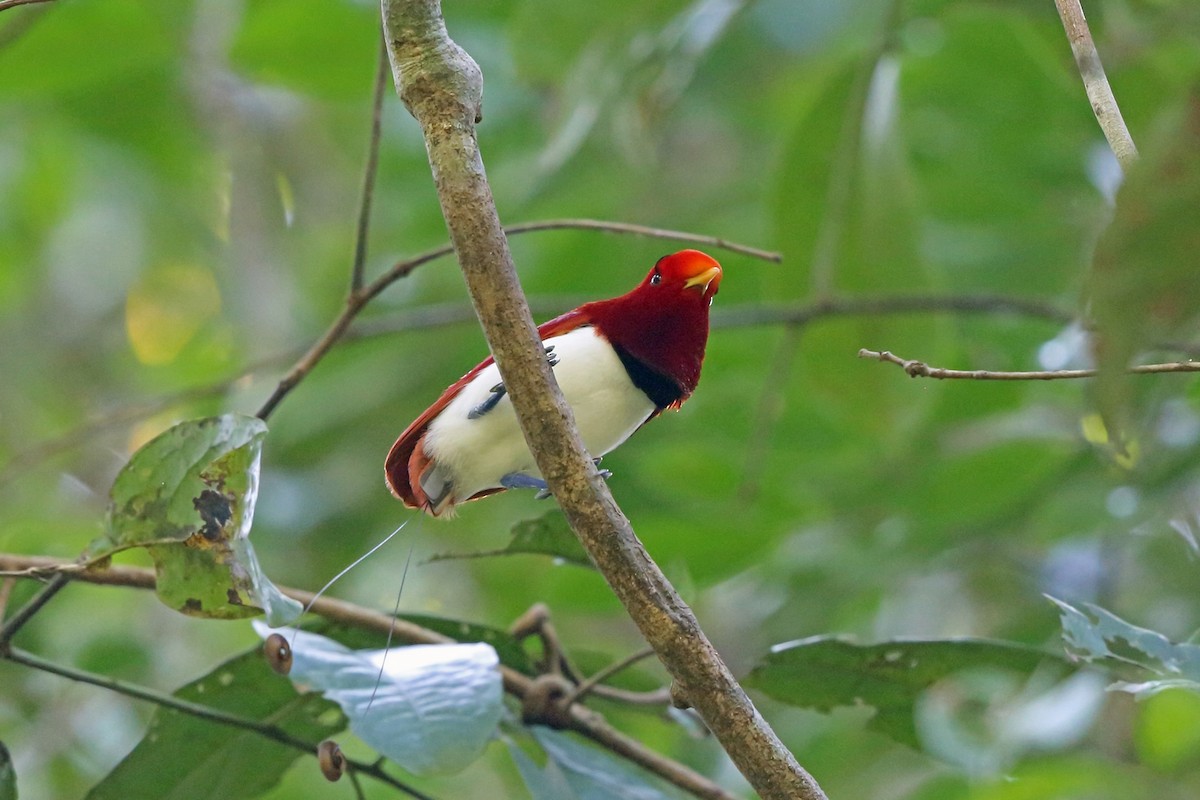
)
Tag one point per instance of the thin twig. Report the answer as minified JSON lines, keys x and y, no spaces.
{"x":369,"y":171}
{"x":581,"y":691}
{"x":433,"y":316}
{"x":6,"y":588}
{"x":1095,"y":82}
{"x":162,"y":699}
{"x":26,"y":612}
{"x":919,"y":369}
{"x":7,"y":4}
{"x":643,"y":230}
{"x":582,"y":720}
{"x":401,"y":269}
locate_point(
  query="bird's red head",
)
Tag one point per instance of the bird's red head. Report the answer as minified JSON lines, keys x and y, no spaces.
{"x":687,"y":269}
{"x":663,"y":322}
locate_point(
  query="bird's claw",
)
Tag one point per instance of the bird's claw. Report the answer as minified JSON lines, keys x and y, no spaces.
{"x":497,"y":392}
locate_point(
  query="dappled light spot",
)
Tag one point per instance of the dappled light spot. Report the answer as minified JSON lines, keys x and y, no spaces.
{"x":166,"y":308}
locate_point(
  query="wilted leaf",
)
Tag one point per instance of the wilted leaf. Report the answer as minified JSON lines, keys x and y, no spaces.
{"x":188,"y":497}
{"x":183,"y":757}
{"x":430,"y":708}
{"x":547,"y":535}
{"x":825,"y":672}
{"x":1099,"y":636}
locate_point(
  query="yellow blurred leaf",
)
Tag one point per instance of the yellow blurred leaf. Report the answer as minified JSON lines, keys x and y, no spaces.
{"x":166,"y":308}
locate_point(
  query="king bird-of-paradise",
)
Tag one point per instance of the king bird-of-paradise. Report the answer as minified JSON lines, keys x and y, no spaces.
{"x":619,"y":363}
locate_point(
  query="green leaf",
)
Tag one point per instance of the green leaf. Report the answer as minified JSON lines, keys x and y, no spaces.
{"x":8,"y":775}
{"x":548,"y":535}
{"x":188,"y":497}
{"x":825,"y":672}
{"x":1101,"y":637}
{"x":591,"y":773}
{"x":1167,"y":731}
{"x":183,"y":757}
{"x":430,"y":708}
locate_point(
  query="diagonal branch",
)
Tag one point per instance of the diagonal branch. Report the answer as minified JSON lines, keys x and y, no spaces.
{"x":919,"y":369}
{"x":1095,"y":82}
{"x":443,"y":88}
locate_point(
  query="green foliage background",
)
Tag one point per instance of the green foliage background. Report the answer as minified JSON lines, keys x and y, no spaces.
{"x":178,"y":182}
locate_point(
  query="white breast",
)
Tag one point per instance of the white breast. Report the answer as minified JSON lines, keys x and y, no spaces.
{"x":478,"y":452}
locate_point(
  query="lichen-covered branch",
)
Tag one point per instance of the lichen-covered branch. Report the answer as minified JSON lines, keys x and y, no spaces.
{"x":443,"y":88}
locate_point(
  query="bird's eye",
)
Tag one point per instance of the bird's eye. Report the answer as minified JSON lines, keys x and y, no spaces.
{"x":655,"y":279}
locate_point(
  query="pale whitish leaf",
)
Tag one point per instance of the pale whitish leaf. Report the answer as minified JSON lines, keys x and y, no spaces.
{"x":1099,"y":636}
{"x":433,"y":710}
{"x":1150,"y":688}
{"x":595,"y":774}
{"x":543,"y":783}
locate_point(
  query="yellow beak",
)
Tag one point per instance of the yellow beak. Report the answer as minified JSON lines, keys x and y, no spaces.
{"x":703,"y":280}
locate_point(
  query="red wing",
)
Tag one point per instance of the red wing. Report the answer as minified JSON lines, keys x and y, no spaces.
{"x":407,"y":458}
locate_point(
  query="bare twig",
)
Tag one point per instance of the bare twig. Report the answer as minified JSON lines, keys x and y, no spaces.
{"x":369,"y":172}
{"x":26,"y":612}
{"x":1095,"y":82}
{"x":165,"y":700}
{"x":582,"y":720}
{"x":7,"y":4}
{"x":454,"y":313}
{"x":801,"y":314}
{"x":642,"y":230}
{"x":6,"y":587}
{"x":355,"y":301}
{"x":443,"y":88}
{"x":593,"y":681}
{"x":919,"y":369}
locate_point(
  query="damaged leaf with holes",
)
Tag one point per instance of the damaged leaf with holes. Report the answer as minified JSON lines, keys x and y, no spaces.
{"x":1102,"y":638}
{"x":188,"y":497}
